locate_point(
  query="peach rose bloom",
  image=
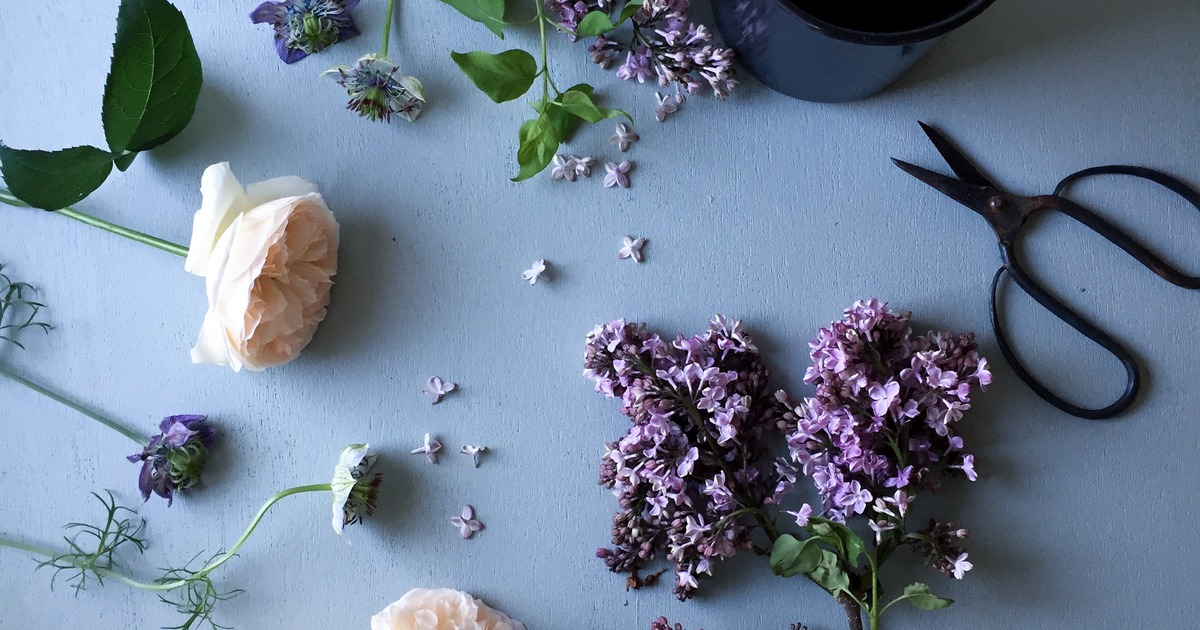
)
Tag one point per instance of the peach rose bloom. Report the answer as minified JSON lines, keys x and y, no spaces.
{"x":441,"y":609}
{"x":268,"y":254}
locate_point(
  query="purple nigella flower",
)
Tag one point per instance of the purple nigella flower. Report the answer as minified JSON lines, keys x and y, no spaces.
{"x":304,"y":27}
{"x":377,"y":90}
{"x":174,"y":460}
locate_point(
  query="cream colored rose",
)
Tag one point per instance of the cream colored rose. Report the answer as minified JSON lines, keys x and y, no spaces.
{"x":441,"y":609}
{"x":268,"y":254}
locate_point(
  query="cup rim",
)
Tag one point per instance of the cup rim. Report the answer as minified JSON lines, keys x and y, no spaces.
{"x":913,"y":36}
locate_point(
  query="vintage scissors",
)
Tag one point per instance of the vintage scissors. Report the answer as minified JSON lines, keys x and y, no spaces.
{"x":1007,"y":214}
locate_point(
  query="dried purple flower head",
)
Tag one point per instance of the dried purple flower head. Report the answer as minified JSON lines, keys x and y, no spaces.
{"x":617,"y":174}
{"x":377,"y":90}
{"x":624,"y":137}
{"x":438,"y":388}
{"x":466,"y":523}
{"x":304,"y":27}
{"x":174,"y":459}
{"x":632,"y":248}
{"x":692,"y":462}
{"x":881,"y":427}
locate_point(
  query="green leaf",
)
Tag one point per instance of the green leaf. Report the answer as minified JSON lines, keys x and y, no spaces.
{"x":919,"y":596}
{"x":593,"y":24}
{"x":502,"y":77}
{"x":538,"y":143}
{"x":124,"y":161}
{"x":580,"y":104}
{"x":841,"y":537}
{"x":790,"y":557}
{"x":564,"y":122}
{"x":52,"y":180}
{"x":489,"y":13}
{"x":630,"y":8}
{"x":829,"y":575}
{"x":155,"y":79}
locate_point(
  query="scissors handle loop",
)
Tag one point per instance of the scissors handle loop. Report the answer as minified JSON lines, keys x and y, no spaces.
{"x":1114,"y":234}
{"x":1074,"y":320}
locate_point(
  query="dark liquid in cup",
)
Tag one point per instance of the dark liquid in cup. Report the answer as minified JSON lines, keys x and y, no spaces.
{"x":881,"y":16}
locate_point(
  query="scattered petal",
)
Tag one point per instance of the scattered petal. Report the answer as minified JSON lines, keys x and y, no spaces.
{"x":429,"y":449}
{"x":632,"y":249}
{"x":466,"y":523}
{"x":583,"y":165}
{"x":476,"y":452}
{"x":624,"y":137}
{"x":438,"y":388}
{"x":536,"y":272}
{"x":667,"y":105}
{"x":618,"y":174}
{"x":564,"y":168}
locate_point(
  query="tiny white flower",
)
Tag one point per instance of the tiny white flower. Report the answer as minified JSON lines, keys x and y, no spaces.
{"x":632,"y":249}
{"x":429,"y":449}
{"x":438,"y":388}
{"x":536,"y":272}
{"x":475,"y":452}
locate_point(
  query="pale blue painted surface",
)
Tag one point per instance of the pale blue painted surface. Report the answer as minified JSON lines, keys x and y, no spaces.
{"x":772,"y":210}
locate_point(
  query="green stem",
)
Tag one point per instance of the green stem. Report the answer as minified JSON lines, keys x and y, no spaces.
{"x":133,"y":235}
{"x":541,"y":20}
{"x":160,"y":587}
{"x":387,"y":28}
{"x":873,"y":611}
{"x":112,"y":424}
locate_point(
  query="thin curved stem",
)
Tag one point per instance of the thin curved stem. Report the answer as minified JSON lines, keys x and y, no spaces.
{"x":160,"y":587}
{"x":133,"y":235}
{"x":387,"y":28}
{"x":108,"y":422}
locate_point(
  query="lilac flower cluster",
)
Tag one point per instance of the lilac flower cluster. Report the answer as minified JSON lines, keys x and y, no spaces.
{"x":688,"y":468}
{"x":665,"y":47}
{"x":881,"y":426}
{"x":174,"y":460}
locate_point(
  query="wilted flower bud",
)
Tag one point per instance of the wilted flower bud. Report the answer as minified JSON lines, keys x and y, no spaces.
{"x":174,"y":460}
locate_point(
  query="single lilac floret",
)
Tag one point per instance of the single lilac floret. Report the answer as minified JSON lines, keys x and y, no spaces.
{"x":466,"y":522}
{"x":174,"y":460}
{"x":304,"y":27}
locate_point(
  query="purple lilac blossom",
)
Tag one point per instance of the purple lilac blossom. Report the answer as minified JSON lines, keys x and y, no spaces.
{"x":304,"y":27}
{"x":666,"y":47}
{"x":683,"y":467}
{"x":881,"y":427}
{"x":174,"y":460}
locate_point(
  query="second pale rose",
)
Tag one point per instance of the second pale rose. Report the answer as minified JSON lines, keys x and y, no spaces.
{"x":268,"y":254}
{"x":441,"y":609}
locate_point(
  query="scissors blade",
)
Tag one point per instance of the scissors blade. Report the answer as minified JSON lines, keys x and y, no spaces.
{"x":970,"y":195}
{"x":958,"y":162}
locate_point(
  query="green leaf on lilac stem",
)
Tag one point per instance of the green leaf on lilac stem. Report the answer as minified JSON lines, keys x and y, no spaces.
{"x":502,"y":77}
{"x":52,"y":180}
{"x":489,"y":13}
{"x":593,"y":24}
{"x":838,"y":535}
{"x":790,"y":556}
{"x":565,"y":123}
{"x":829,"y":575}
{"x":581,"y":105}
{"x":538,"y":143}
{"x":629,"y":10}
{"x":155,"y":79}
{"x":919,"y":596}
